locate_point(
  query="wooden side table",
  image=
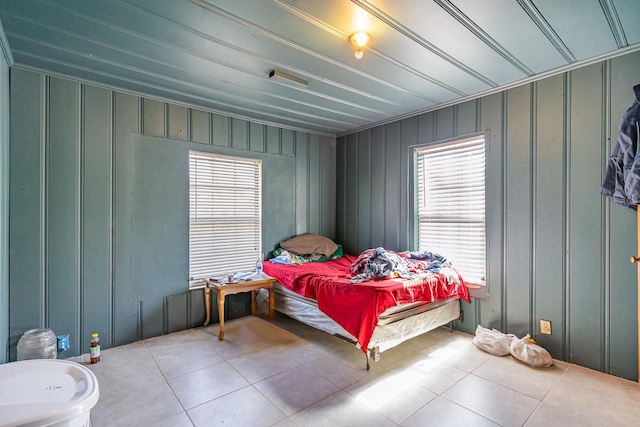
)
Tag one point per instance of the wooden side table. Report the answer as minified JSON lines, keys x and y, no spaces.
{"x":224,"y":289}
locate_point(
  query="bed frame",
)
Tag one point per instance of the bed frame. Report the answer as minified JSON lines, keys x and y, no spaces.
{"x":395,"y":325}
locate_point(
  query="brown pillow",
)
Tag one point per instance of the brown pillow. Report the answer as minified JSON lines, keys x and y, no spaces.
{"x":309,"y":245}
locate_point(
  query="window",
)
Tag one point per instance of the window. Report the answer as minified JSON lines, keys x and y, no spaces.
{"x":450,"y":179}
{"x":225,"y":215}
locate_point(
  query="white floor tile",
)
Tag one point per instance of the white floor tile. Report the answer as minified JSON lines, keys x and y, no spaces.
{"x":245,"y":407}
{"x":441,"y":412}
{"x":295,"y":389}
{"x":197,"y":387}
{"x":282,"y":373}
{"x":495,"y":402}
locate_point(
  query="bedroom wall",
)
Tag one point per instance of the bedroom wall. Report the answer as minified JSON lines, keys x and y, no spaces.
{"x":556,"y":249}
{"x":5,"y":60}
{"x":89,"y":164}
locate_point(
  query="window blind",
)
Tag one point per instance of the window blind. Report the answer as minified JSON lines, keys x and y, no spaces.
{"x":225,"y":215}
{"x":451,"y":204}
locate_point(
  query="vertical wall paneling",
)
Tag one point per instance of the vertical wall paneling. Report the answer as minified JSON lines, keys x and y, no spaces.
{"x":4,"y":203}
{"x":95,"y":247}
{"x":177,"y":122}
{"x":585,"y":218}
{"x":365,"y":189}
{"x":302,"y":183}
{"x":256,"y":141}
{"x":352,"y":191}
{"x":378,"y":193}
{"x":26,"y":275}
{"x":273,"y":140}
{"x":622,"y":229}
{"x":220,"y":130}
{"x":196,"y":310}
{"x":392,"y":186}
{"x":159,"y":243}
{"x":200,"y":126}
{"x":239,"y":134}
{"x":518,"y":225}
{"x":491,"y":121}
{"x":426,"y":128}
{"x":605,"y":206}
{"x":467,"y":118}
{"x":176,"y":312}
{"x":63,"y":201}
{"x":556,"y":250}
{"x":548,"y":261}
{"x":341,"y":165}
{"x":125,"y":307}
{"x":154,"y":117}
{"x":279,"y":198}
{"x":567,"y":225}
{"x":96,"y":218}
{"x":328,"y":158}
{"x":445,"y":122}
{"x":314,"y":172}
{"x":288,"y":142}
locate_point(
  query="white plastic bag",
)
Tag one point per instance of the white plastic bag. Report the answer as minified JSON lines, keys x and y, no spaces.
{"x":493,"y":341}
{"x":526,"y":350}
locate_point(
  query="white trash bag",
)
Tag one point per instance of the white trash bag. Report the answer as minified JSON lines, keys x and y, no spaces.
{"x":526,"y":350}
{"x":493,"y":341}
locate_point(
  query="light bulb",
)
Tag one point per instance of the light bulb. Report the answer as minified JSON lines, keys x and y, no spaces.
{"x":359,"y":41}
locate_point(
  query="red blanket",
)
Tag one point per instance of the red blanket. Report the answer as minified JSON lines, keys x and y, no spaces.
{"x":356,"y":307}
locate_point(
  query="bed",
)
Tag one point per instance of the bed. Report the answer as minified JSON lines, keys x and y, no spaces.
{"x":376,"y":315}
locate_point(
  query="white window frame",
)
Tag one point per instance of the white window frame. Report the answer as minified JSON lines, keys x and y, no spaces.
{"x":225,"y":215}
{"x":454,"y":174}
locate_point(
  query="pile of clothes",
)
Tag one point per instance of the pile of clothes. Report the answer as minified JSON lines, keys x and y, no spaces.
{"x":379,"y":264}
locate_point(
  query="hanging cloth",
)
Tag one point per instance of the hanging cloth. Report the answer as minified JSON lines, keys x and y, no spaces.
{"x":622,"y":177}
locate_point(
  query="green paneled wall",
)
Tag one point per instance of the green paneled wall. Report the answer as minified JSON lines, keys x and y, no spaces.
{"x":4,"y":198}
{"x":556,"y":249}
{"x":88,"y":166}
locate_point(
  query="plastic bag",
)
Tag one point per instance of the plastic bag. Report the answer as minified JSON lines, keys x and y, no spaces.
{"x":493,"y":341}
{"x":526,"y":350}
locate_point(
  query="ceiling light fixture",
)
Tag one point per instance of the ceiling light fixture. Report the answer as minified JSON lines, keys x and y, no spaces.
{"x":287,"y":78}
{"x":359,"y":40}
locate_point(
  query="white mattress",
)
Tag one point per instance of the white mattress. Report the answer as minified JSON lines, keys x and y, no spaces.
{"x":395,"y":325}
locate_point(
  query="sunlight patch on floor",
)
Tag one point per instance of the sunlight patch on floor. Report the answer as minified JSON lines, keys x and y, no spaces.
{"x":389,"y":388}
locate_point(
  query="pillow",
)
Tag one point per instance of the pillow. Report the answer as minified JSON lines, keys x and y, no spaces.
{"x":297,"y":258}
{"x":310,"y":245}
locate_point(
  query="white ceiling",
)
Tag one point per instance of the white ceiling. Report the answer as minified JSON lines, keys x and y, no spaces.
{"x":217,"y":55}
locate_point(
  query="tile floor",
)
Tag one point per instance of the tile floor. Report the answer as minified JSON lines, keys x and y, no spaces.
{"x":283,"y":373}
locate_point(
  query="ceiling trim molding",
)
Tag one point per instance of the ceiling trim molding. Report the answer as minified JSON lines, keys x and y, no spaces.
{"x":531,"y":79}
{"x":4,"y":46}
{"x":546,"y":29}
{"x":613,"y":19}
{"x":463,"y":19}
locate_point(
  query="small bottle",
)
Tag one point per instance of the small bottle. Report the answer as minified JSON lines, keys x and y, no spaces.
{"x":259,"y":266}
{"x":94,"y":348}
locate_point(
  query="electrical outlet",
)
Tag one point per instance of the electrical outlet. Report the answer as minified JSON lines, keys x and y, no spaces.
{"x":545,"y":327}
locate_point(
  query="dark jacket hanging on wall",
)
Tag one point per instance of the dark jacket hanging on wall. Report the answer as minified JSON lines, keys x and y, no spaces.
{"x":622,"y":177}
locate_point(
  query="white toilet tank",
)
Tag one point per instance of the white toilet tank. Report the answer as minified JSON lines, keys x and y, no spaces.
{"x":46,"y":392}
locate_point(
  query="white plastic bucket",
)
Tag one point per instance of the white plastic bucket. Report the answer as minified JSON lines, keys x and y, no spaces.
{"x":46,"y":392}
